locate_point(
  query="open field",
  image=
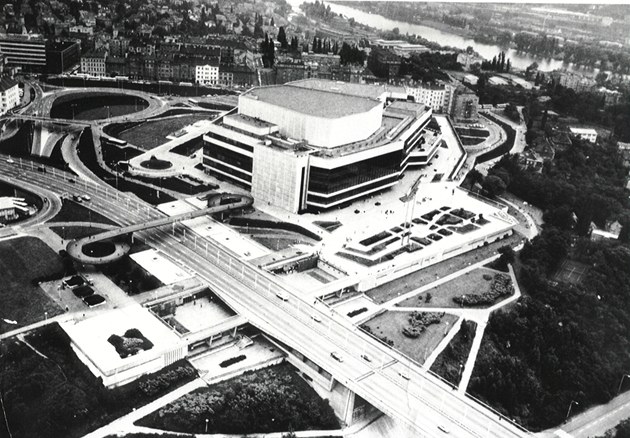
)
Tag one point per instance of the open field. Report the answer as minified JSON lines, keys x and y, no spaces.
{"x":22,"y":262}
{"x":153,"y":133}
{"x":389,"y":325}
{"x":472,"y":282}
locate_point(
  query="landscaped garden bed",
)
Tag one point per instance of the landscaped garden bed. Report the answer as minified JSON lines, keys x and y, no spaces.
{"x":273,"y":399}
{"x":375,"y":238}
{"x":430,"y":215}
{"x":389,"y":326}
{"x":500,"y":287}
{"x":131,"y":343}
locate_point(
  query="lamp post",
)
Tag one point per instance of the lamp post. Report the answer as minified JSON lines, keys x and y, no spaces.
{"x":206,"y":425}
{"x":569,"y":411}
{"x":621,"y":382}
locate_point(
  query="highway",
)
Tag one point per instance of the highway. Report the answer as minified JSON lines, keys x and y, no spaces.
{"x":419,"y":400}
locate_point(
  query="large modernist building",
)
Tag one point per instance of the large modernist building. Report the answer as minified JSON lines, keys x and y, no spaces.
{"x":317,"y":144}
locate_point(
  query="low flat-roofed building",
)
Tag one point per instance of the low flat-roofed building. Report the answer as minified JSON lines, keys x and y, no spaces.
{"x":315,"y":144}
{"x":584,"y":134}
{"x":90,"y":341}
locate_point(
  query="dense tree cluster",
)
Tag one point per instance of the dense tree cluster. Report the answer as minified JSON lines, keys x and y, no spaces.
{"x":269,"y":400}
{"x":56,"y":395}
{"x":318,"y":10}
{"x":429,"y":66}
{"x":268,"y":50}
{"x":351,"y":54}
{"x":561,"y":342}
{"x":585,"y":179}
{"x":498,"y":64}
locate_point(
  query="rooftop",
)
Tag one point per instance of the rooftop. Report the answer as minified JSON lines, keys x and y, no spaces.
{"x":5,"y":84}
{"x":370,"y":91}
{"x":313,"y":102}
{"x":588,"y":131}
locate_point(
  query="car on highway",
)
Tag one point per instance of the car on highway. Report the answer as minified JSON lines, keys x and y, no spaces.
{"x":282,"y":295}
{"x":444,"y":429}
{"x":404,"y":375}
{"x":366,"y":358}
{"x":315,"y":317}
{"x":86,"y":198}
{"x":72,"y":180}
{"x":10,"y":161}
{"x":336,"y":356}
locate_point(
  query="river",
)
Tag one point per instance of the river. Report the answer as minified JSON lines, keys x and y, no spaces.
{"x":519,"y":60}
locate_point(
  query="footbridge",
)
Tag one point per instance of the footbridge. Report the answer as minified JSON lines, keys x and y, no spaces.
{"x":79,"y":249}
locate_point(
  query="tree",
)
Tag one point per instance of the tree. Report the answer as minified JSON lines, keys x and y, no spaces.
{"x":507,"y":257}
{"x":493,"y":186}
{"x":282,"y":38}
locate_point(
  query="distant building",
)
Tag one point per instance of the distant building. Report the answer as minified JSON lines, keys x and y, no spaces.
{"x":93,"y":63}
{"x":27,"y":52}
{"x":207,"y":74}
{"x":470,"y":79}
{"x":584,"y":134}
{"x":61,"y":56}
{"x":465,"y":105}
{"x":9,"y":207}
{"x":384,"y":63}
{"x":9,"y":95}
{"x":400,"y":48}
{"x":611,"y":231}
{"x":572,"y":80}
{"x":438,"y":97}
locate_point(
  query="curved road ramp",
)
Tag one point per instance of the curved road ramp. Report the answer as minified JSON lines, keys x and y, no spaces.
{"x":100,"y":248}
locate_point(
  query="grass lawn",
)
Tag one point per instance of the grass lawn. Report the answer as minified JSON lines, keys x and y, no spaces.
{"x":274,"y":239}
{"x":389,"y":325}
{"x":442,"y":295}
{"x":72,"y":211}
{"x":428,"y":275}
{"x":273,"y":399}
{"x":61,"y":397}
{"x":449,"y":362}
{"x":152,"y":134}
{"x":22,"y":261}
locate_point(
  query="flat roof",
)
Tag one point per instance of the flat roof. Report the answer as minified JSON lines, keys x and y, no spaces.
{"x":156,"y":264}
{"x":589,"y":131}
{"x":248,"y":120}
{"x":91,"y":336}
{"x":371,"y":91}
{"x":313,"y":102}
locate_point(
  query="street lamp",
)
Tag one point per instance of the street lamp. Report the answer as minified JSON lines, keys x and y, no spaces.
{"x":206,"y":425}
{"x":569,"y":411}
{"x":621,"y":382}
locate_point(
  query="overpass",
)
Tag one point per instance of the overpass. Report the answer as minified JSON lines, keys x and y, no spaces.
{"x":390,"y":381}
{"x":76,"y":248}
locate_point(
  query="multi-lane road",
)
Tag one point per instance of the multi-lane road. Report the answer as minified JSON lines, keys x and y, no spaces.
{"x":388,"y":381}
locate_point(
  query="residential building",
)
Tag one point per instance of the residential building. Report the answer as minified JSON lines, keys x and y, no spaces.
{"x":317,"y":144}
{"x":93,"y":63}
{"x":438,"y":97}
{"x":383,"y":63}
{"x":399,"y":47}
{"x":584,"y":134}
{"x":207,"y":74}
{"x":9,"y":94}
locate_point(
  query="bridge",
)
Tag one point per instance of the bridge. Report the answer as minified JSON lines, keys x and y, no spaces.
{"x":390,"y":381}
{"x":77,"y":248}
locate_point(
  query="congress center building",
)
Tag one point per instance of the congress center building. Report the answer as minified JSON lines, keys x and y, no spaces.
{"x":314,"y":144}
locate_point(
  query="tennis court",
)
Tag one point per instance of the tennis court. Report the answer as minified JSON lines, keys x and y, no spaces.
{"x":571,"y":272}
